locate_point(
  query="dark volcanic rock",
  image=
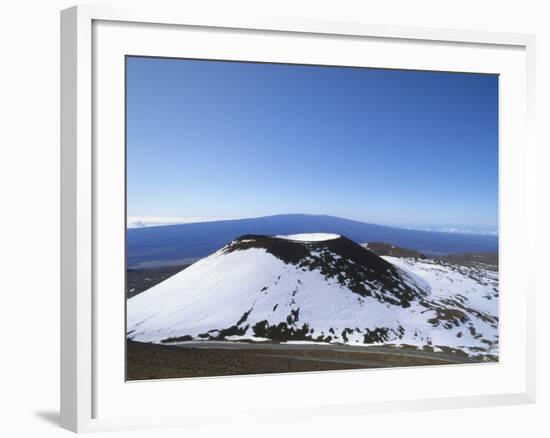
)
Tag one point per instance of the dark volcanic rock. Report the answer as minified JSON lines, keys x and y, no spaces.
{"x":387,"y":249}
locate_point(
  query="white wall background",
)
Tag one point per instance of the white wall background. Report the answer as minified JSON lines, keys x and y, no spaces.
{"x":29,"y":202}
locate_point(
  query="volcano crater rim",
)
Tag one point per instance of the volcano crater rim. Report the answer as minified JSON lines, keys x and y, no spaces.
{"x":309,"y":237}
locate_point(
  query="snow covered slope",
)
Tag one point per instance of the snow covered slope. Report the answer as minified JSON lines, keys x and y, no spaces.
{"x":320,"y":288}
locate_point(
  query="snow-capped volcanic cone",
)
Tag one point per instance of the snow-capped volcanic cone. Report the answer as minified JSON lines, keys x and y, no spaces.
{"x":306,"y":287}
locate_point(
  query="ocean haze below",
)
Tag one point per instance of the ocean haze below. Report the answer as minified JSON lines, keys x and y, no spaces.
{"x":170,"y":245}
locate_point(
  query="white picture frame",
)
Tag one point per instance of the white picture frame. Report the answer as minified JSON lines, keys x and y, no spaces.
{"x":84,"y":175}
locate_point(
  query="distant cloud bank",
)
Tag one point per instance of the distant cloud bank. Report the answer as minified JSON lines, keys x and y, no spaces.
{"x":485,"y":232}
{"x":157,"y":221}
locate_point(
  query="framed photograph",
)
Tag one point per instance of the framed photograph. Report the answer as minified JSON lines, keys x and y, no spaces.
{"x":262,"y":217}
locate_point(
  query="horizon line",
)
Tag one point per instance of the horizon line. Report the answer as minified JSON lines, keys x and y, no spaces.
{"x":147,"y":221}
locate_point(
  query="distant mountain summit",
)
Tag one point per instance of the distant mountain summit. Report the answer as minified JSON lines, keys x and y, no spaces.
{"x":185,"y":243}
{"x":312,"y":288}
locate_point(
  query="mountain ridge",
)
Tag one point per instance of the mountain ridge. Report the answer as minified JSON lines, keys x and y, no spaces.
{"x":184,"y":243}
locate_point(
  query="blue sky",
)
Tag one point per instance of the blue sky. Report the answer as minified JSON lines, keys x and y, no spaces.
{"x":231,"y":139}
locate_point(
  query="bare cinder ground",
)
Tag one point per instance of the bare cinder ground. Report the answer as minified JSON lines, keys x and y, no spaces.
{"x":151,"y":361}
{"x":139,"y":280}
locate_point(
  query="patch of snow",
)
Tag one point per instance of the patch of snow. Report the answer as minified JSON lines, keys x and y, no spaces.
{"x":310,"y":237}
{"x":303,"y":343}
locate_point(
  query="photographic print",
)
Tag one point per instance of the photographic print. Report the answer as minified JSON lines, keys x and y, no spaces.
{"x":293,"y":218}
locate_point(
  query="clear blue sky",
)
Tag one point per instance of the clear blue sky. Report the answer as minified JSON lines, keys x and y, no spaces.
{"x":210,"y":138}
